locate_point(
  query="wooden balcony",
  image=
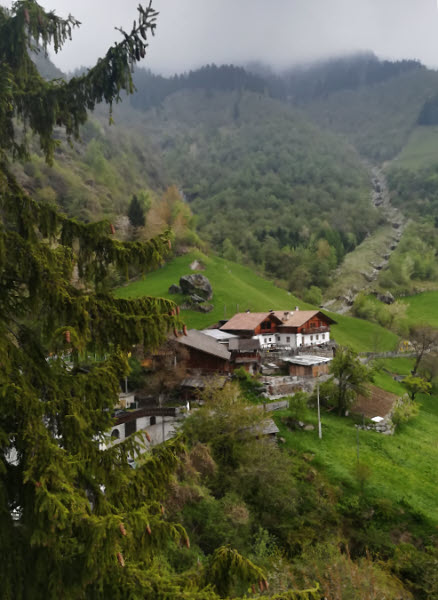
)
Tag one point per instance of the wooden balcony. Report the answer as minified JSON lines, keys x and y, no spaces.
{"x":312,"y":330}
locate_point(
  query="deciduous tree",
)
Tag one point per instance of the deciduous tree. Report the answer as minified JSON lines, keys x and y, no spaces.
{"x":351,"y":377}
{"x":416,"y":385}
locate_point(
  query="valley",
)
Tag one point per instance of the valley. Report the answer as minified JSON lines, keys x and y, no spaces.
{"x":240,"y":234}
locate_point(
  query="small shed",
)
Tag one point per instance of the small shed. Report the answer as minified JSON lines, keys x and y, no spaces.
{"x":308,"y":365}
{"x":246,"y":353}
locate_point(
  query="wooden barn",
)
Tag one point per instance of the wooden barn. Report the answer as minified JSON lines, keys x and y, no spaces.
{"x":206,"y":355}
{"x":308,"y":365}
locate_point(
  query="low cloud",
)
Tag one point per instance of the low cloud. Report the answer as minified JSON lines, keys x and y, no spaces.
{"x":282,"y":32}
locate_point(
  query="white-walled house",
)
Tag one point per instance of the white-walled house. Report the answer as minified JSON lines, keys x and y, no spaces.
{"x":286,"y":329}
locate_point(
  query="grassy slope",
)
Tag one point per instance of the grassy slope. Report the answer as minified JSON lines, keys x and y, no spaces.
{"x":422,"y":308}
{"x":421,"y":149}
{"x":402,"y":466}
{"x":238,"y":288}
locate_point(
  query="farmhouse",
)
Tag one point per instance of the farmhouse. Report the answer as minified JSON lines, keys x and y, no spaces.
{"x":205,"y":354}
{"x":282,"y":329}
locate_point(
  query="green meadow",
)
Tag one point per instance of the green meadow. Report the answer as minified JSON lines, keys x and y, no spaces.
{"x":402,"y":467}
{"x":237,"y":288}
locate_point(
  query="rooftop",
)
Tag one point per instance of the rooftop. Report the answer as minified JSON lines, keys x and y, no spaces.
{"x":297,"y":318}
{"x":307,"y":360}
{"x":204,"y":343}
{"x":247,"y":321}
{"x":220,"y":336}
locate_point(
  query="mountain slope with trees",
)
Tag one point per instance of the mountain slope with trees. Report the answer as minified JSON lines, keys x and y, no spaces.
{"x":377,"y":118}
{"x":267,"y":186}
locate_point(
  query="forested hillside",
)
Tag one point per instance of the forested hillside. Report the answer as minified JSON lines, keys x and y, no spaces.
{"x":254,"y":160}
{"x":377,"y":118}
{"x":267,"y":186}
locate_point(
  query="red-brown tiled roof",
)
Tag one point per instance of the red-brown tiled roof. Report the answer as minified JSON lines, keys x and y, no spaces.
{"x":298,"y":318}
{"x":245,"y":321}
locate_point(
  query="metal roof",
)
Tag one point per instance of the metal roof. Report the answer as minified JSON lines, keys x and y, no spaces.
{"x":219,"y":335}
{"x":307,"y":360}
{"x":204,"y":343}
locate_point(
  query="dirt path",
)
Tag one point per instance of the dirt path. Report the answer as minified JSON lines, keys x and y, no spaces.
{"x":374,"y":252}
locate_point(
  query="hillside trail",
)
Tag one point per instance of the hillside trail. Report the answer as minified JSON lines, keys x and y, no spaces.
{"x":389,"y":237}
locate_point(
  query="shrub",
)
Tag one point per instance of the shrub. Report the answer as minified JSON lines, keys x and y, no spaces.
{"x":404,"y":410}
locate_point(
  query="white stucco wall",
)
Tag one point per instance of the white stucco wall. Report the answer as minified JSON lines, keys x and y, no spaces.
{"x":296,"y":340}
{"x":316,"y":338}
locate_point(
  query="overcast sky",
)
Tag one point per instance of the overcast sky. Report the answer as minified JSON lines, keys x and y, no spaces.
{"x":279,"y":32}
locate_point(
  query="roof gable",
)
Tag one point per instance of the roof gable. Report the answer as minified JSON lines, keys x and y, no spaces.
{"x":248,"y":321}
{"x":298,"y":318}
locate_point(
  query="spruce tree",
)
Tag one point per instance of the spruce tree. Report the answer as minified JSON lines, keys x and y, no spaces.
{"x":136,"y":213}
{"x":76,"y":522}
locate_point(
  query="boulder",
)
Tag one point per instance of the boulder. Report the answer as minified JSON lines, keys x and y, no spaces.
{"x":204,"y":308}
{"x":387,"y":298}
{"x":196,"y":284}
{"x":175,"y":289}
{"x":196,"y":299}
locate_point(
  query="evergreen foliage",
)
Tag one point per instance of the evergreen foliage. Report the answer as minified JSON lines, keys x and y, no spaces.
{"x":153,"y":89}
{"x":72,"y":514}
{"x":266,"y":187}
{"x":76,"y":521}
{"x":136,"y":213}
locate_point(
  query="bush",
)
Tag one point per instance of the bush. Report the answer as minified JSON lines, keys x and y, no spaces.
{"x":404,"y":410}
{"x":298,"y":405}
{"x":313,"y":295}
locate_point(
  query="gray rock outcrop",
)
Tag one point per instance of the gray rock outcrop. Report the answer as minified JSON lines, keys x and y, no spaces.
{"x":387,"y":298}
{"x":196,"y":284}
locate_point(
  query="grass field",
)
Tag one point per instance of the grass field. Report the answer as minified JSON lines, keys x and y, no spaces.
{"x":421,"y":149}
{"x":402,"y":466}
{"x":422,"y":308}
{"x":237,"y":288}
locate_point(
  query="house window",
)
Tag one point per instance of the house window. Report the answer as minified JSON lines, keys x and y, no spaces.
{"x":323,"y":336}
{"x":278,"y":338}
{"x":317,"y":337}
{"x":270,"y":339}
{"x":288,"y":340}
{"x":153,"y":420}
{"x":311,"y":338}
{"x":115,"y":434}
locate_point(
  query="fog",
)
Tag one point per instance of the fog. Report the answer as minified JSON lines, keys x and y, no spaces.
{"x":279,"y":32}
